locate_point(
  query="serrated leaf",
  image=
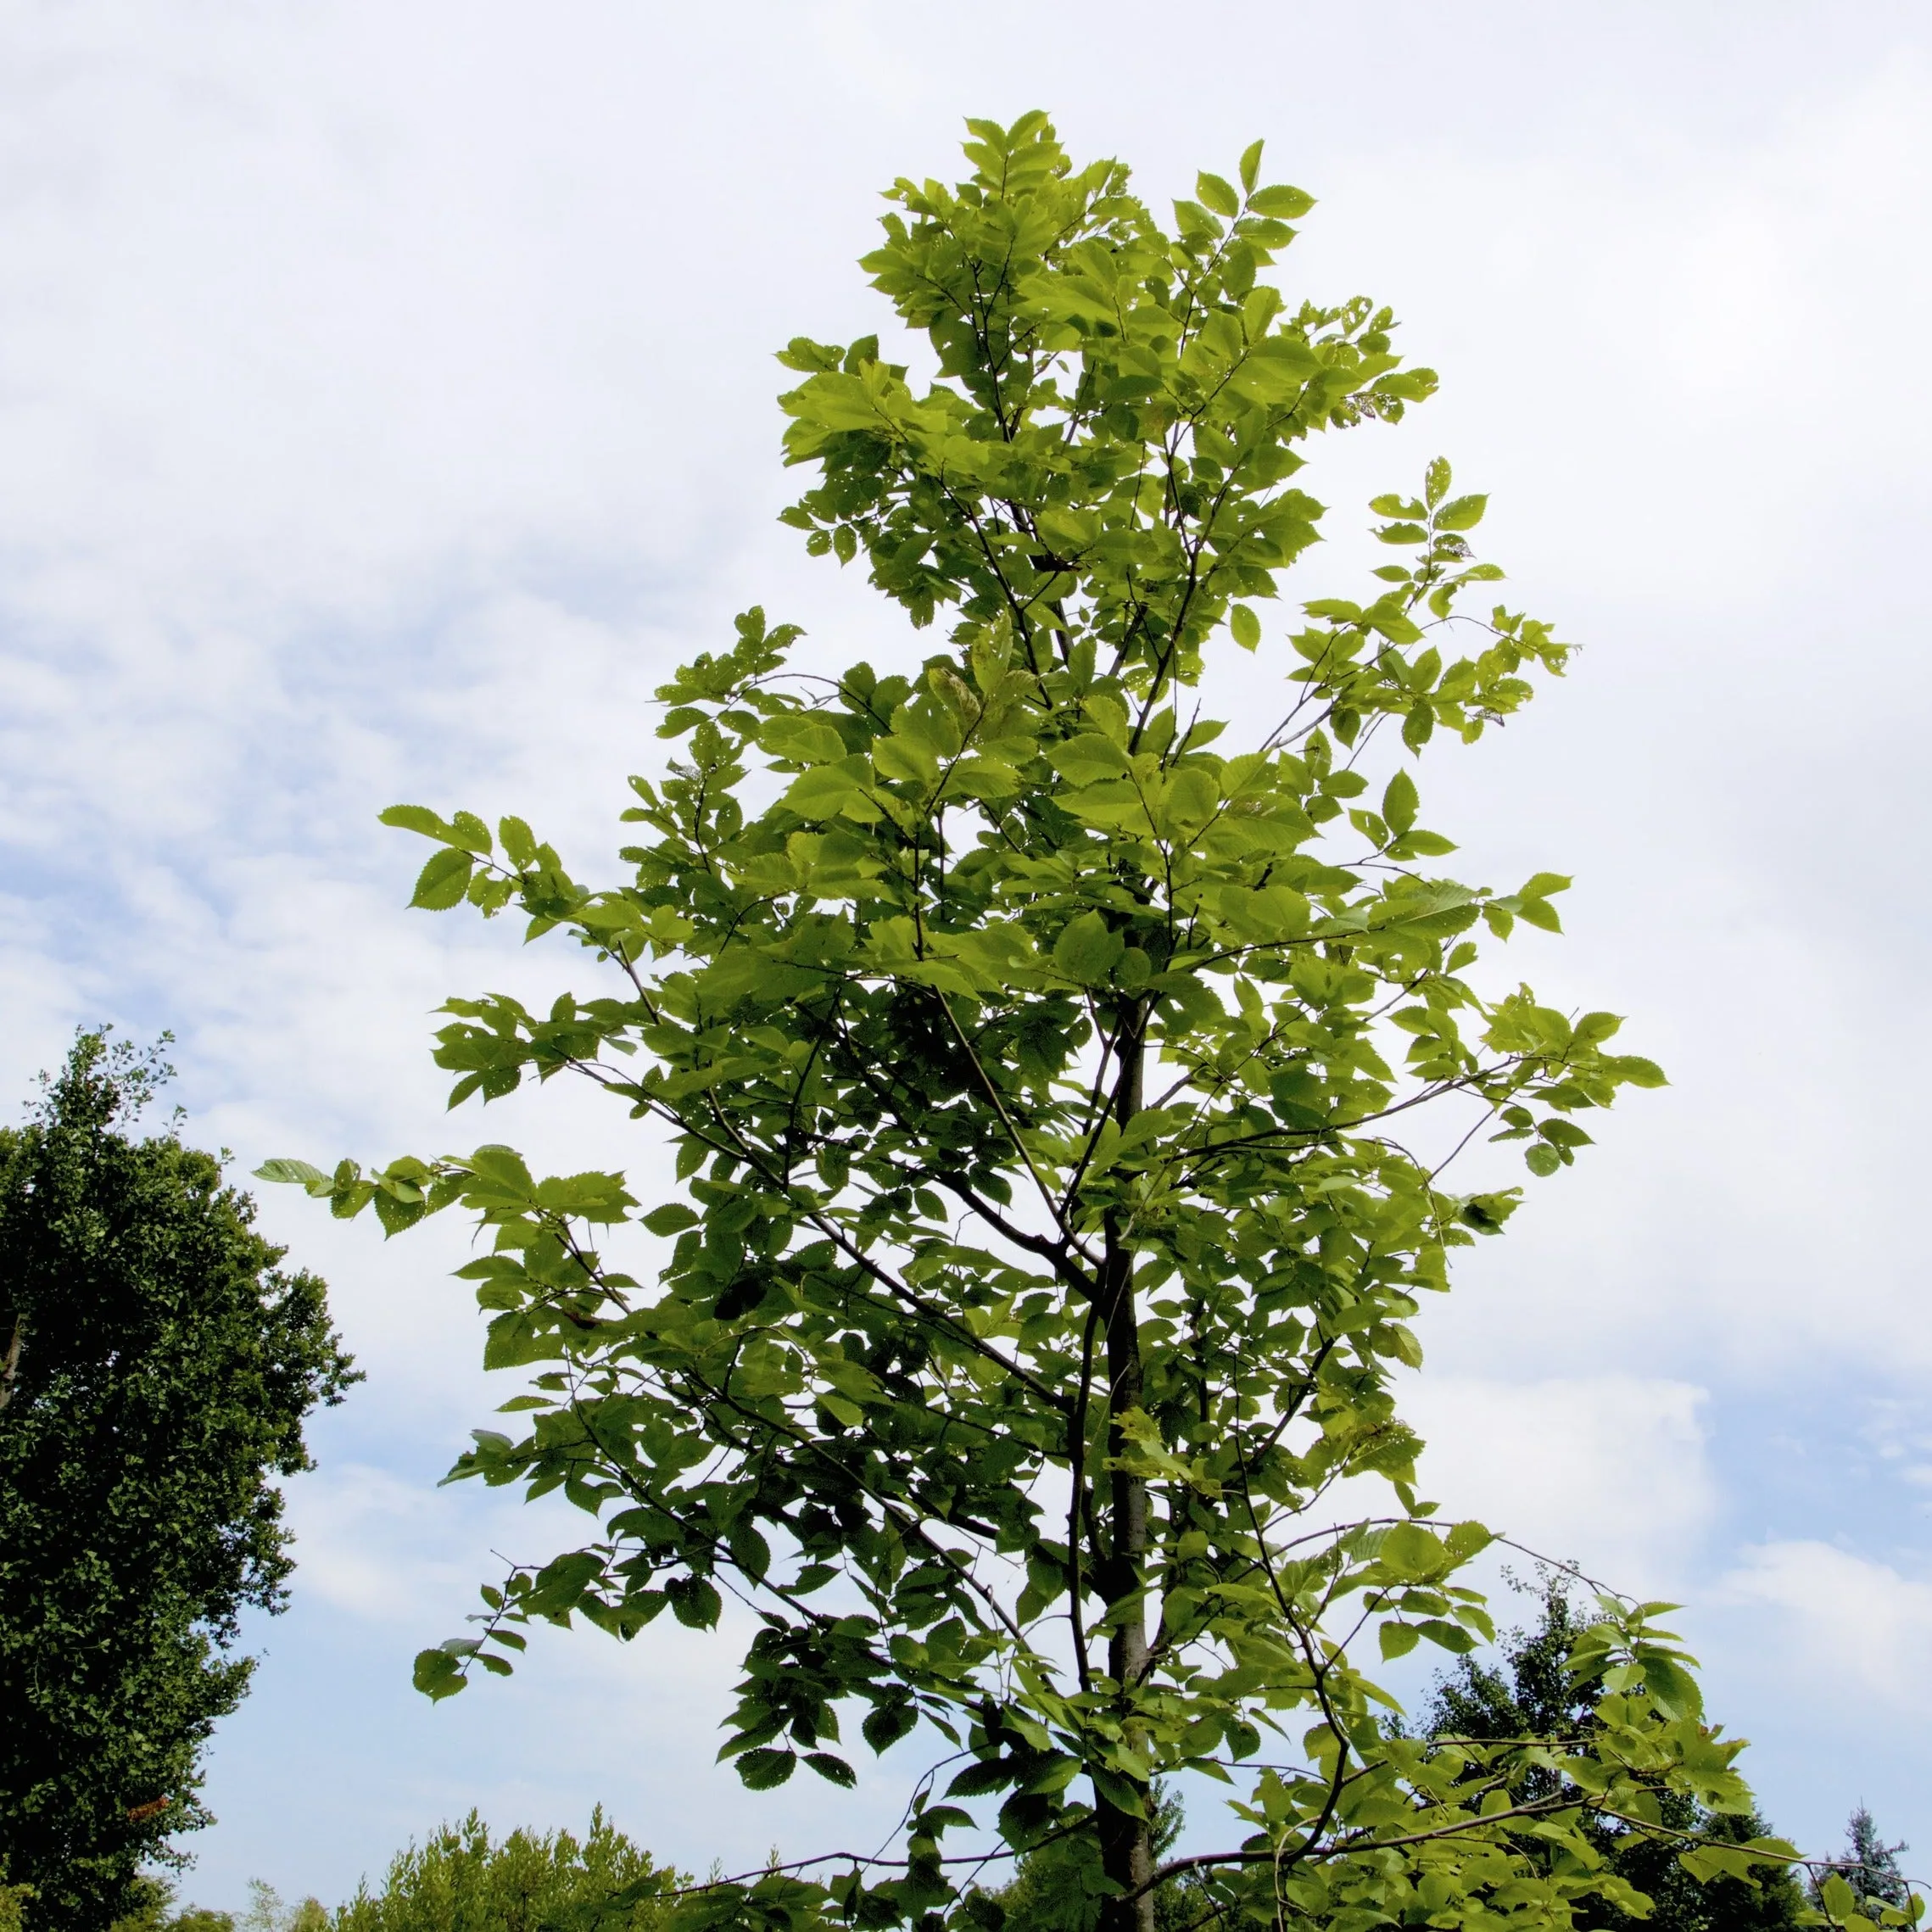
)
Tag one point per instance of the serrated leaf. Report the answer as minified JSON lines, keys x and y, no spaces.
{"x":519,"y":842}
{"x":296,"y":1170}
{"x":1398,"y":1640}
{"x":438,"y":1674}
{"x":823,"y":792}
{"x":1400,"y":801}
{"x":906,"y":758}
{"x":1411,"y":1551}
{"x":471,"y":834}
{"x":1088,"y":757}
{"x":883,"y":1726}
{"x":1637,"y":1071}
{"x":835,"y":1770}
{"x":444,"y":881}
{"x":1464,"y":513}
{"x":673,"y":1218}
{"x":1281,"y":203}
{"x":1396,"y":625}
{"x":1218,"y":195}
{"x":1672,"y":1689}
{"x":693,"y":1602}
{"x":414,"y":818}
{"x":765,"y":1770}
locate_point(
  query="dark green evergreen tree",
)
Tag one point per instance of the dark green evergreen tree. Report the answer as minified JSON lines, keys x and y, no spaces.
{"x":1870,"y":1867}
{"x":158,"y":1365}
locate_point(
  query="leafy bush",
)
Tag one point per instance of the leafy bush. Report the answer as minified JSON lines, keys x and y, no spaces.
{"x":458,"y":1881}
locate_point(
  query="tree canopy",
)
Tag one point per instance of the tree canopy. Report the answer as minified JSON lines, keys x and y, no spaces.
{"x":158,"y":1366}
{"x":1063,"y":1089}
{"x":457,"y":1880}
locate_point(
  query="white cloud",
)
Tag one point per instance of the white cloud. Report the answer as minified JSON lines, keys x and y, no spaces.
{"x":1854,"y":1627}
{"x":373,"y":1544}
{"x":1608,"y":1473}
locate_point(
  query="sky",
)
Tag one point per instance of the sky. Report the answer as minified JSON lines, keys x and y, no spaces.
{"x":386,"y":407}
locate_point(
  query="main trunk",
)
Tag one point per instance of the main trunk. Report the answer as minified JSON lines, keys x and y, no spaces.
{"x":1126,"y":1842}
{"x":11,"y":1366}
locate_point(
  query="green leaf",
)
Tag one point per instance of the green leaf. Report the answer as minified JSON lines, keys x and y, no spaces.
{"x":1400,"y":801}
{"x":1281,"y":203}
{"x":671,"y":1218}
{"x":905,"y":756}
{"x":519,"y":842}
{"x":1672,"y":1687}
{"x":1411,"y":1551}
{"x":1251,"y":165}
{"x":444,"y":881}
{"x":438,"y":1674}
{"x":1088,"y":758}
{"x":822,"y":792}
{"x":298,"y":1171}
{"x":800,"y":738}
{"x":1394,"y":622}
{"x":1837,"y":1898}
{"x":1117,"y":1792}
{"x":1218,"y":195}
{"x":471,"y":833}
{"x":1087,"y":950}
{"x":1464,"y":513}
{"x":834,"y":1769}
{"x":765,"y":1770}
{"x":1398,"y":1640}
{"x":693,"y":1602}
{"x":886,"y":1723}
{"x":1246,"y":627}
{"x":1637,"y":1070}
{"x":414,"y":818}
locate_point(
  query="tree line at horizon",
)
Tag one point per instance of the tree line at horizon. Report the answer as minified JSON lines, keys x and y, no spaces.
{"x":458,"y":1880}
{"x":1064,"y":1093}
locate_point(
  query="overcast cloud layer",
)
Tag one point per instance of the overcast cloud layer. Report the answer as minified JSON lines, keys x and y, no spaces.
{"x":385,"y":408}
